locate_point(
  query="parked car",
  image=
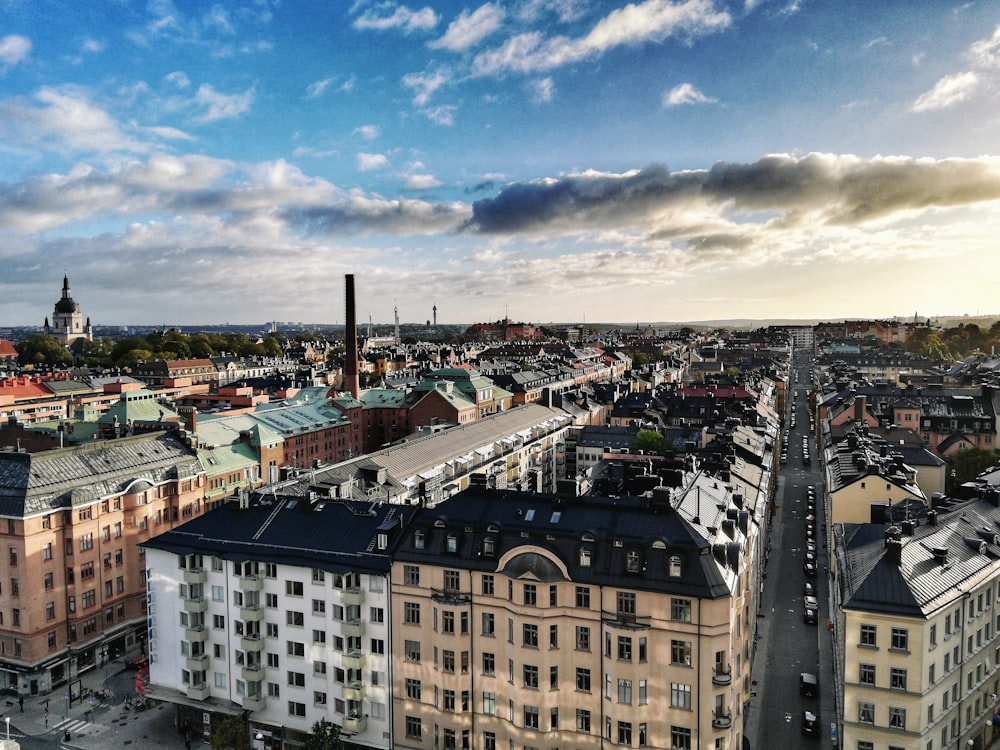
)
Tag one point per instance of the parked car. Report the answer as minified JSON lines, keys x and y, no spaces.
{"x":809,"y":589}
{"x":811,"y":547}
{"x":809,"y":616}
{"x":811,"y":602}
{"x":810,"y":724}
{"x":809,"y":568}
{"x":808,"y":684}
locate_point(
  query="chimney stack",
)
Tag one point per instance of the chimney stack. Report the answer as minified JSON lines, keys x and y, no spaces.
{"x":351,"y":382}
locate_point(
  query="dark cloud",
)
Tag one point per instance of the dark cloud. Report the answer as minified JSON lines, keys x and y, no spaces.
{"x":837,"y":189}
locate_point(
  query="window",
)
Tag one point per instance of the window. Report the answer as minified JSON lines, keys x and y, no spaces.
{"x":489,"y":741}
{"x":489,"y":624}
{"x":624,"y":648}
{"x":643,"y":694}
{"x":448,"y":621}
{"x":296,"y":709}
{"x":489,"y":664}
{"x":488,"y":585}
{"x":411,"y":575}
{"x":553,"y":678}
{"x":49,"y":583}
{"x":293,"y":588}
{"x":680,"y":695}
{"x":553,"y":636}
{"x":530,"y":595}
{"x":868,"y":635}
{"x":624,"y":691}
{"x":296,"y":648}
{"x":531,"y":717}
{"x":680,"y":610}
{"x":866,"y":674}
{"x":897,"y":718}
{"x":583,"y":679}
{"x":900,"y":639}
{"x":448,"y":703}
{"x":866,"y":713}
{"x":582,"y":720}
{"x":448,"y":661}
{"x":451,"y":579}
{"x":582,"y":638}
{"x":530,"y":676}
{"x":411,"y":613}
{"x":319,"y":606}
{"x":530,"y":634}
{"x":412,"y":650}
{"x":680,"y":653}
{"x":624,"y":733}
{"x":897,"y":678}
{"x":626,"y":605}
{"x":295,"y":618}
{"x":553,"y":595}
{"x":583,"y":597}
{"x":680,"y":738}
{"x":376,"y":614}
{"x":298,"y":679}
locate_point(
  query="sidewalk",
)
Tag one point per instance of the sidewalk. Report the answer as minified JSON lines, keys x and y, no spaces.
{"x":98,"y":726}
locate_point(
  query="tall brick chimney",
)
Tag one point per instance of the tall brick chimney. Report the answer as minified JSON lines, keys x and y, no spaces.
{"x":351,"y":382}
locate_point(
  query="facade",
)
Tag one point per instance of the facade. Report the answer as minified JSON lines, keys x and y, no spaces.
{"x":917,"y":630}
{"x":67,"y":320}
{"x":278,"y":608}
{"x":74,"y":591}
{"x":525,"y":620}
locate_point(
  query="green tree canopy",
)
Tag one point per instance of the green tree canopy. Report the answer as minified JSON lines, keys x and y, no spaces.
{"x":651,"y":441}
{"x":972,"y":462}
{"x":231,"y":734}
{"x":41,"y":349}
{"x":324,"y":736}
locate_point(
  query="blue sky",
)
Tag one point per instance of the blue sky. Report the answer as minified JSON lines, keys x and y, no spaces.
{"x":554,"y":160}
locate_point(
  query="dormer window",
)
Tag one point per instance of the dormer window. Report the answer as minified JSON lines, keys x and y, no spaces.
{"x":585,"y":557}
{"x":418,"y":540}
{"x":674,"y":566}
{"x":632,"y":561}
{"x":452,"y":543}
{"x":383,"y":540}
{"x":489,"y":546}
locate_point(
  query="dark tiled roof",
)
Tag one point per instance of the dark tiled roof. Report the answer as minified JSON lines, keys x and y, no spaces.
{"x":337,"y":536}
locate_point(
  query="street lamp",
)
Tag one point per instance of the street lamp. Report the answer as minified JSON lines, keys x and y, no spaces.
{"x":7,"y":722}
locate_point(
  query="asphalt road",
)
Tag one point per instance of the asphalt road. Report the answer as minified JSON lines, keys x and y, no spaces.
{"x":792,"y":646}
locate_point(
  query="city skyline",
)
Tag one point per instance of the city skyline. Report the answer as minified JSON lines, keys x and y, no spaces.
{"x":550,"y":160}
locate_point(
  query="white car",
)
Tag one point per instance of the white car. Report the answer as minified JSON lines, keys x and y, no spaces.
{"x":811,"y":602}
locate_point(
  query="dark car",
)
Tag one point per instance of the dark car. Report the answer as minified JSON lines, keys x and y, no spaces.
{"x":809,"y":568}
{"x":809,"y":617}
{"x":810,"y":724}
{"x":809,"y":589}
{"x":808,"y":684}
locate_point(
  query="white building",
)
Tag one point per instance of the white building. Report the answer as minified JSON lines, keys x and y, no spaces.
{"x":270,"y":608}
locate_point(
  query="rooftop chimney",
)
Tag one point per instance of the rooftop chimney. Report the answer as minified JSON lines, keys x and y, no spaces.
{"x":351,"y":381}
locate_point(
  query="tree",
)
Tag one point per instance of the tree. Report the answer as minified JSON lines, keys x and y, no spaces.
{"x":972,"y":462}
{"x":325,"y":736}
{"x":43,"y":350}
{"x":651,"y":441}
{"x":231,"y":734}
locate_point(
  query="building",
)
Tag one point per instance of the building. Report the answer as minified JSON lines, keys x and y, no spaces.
{"x":527,"y":620}
{"x":74,"y":592}
{"x":916,"y":630}
{"x":67,"y":320}
{"x":277,"y":607}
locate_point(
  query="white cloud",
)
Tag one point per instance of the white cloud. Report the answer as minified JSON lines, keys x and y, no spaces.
{"x":318,"y":88}
{"x":368,"y":162}
{"x":471,"y":28}
{"x":424,"y":85}
{"x":651,"y":21}
{"x":178,"y":79}
{"x":400,"y":17}
{"x":542,"y":90}
{"x":92,"y":46}
{"x":368,"y":132}
{"x":986,"y":52}
{"x":14,"y":49}
{"x":422,"y":182}
{"x":443,"y":115}
{"x":947,"y":92}
{"x":685,"y":93}
{"x":219,"y":106}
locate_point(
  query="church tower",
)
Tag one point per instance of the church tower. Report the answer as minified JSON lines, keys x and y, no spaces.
{"x":67,"y":321}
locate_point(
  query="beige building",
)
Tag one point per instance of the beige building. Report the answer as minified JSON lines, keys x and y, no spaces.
{"x":917,"y":630}
{"x":527,"y":621}
{"x":74,"y":588}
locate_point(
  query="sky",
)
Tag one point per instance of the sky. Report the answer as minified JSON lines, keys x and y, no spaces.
{"x":550,"y":161}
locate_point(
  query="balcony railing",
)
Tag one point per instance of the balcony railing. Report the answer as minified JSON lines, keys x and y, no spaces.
{"x":722,"y":721}
{"x":722,"y":678}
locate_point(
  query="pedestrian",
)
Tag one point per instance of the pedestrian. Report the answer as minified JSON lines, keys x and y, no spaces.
{"x":20,"y":702}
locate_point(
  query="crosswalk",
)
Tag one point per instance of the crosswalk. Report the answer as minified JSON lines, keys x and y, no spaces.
{"x":78,"y":726}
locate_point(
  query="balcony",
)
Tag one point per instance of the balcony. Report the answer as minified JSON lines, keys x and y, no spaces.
{"x":251,"y":613}
{"x":195,"y":604}
{"x":722,"y":678}
{"x":353,"y":597}
{"x":722,"y":721}
{"x":253,"y":703}
{"x":354,"y":660}
{"x":197,"y":663}
{"x":355,"y":723}
{"x":195,"y":575}
{"x":198,"y":692}
{"x":251,"y":583}
{"x":354,"y":691}
{"x":251,"y":643}
{"x":252,"y":672}
{"x":196,"y":635}
{"x":354,"y":628}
